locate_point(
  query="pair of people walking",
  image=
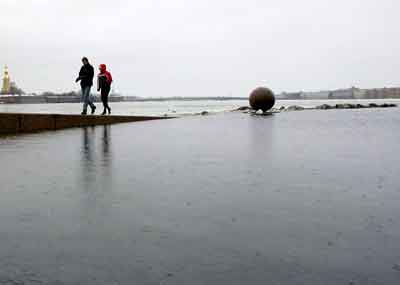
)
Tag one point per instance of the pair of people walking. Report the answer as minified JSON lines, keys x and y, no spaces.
{"x":104,"y":80}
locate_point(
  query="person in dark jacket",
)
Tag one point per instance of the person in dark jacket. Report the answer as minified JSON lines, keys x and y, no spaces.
{"x":104,"y":80}
{"x":86,"y":75}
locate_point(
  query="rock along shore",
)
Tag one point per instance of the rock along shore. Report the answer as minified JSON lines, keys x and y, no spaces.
{"x":247,"y":109}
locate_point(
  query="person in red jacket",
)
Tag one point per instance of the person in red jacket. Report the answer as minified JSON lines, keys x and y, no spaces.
{"x":104,"y":80}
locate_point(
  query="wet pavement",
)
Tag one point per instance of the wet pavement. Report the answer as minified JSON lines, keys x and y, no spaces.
{"x":306,"y":197}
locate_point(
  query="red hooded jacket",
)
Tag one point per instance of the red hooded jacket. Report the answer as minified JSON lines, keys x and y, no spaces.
{"x":103,"y":71}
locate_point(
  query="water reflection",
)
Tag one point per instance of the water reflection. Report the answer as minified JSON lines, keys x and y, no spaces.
{"x":261,"y":136}
{"x":106,"y":160}
{"x":106,"y":145}
{"x":87,"y":147}
{"x":96,"y":172}
{"x":90,"y":158}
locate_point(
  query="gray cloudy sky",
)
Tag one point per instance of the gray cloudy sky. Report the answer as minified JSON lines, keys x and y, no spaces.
{"x":203,"y":47}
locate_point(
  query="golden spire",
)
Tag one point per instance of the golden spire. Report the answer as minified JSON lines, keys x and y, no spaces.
{"x":6,"y":81}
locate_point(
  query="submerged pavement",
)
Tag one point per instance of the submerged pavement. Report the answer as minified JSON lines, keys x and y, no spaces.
{"x":293,"y":198}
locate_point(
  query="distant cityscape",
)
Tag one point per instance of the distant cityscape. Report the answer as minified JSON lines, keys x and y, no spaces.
{"x":11,"y":93}
{"x":349,"y":93}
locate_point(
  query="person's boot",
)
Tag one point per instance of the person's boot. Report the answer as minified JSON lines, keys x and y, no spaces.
{"x":93,"y":109}
{"x":109,"y":110}
{"x":104,"y":112}
{"x":84,"y":113}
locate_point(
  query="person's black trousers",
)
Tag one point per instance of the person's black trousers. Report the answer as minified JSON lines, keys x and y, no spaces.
{"x":104,"y":98}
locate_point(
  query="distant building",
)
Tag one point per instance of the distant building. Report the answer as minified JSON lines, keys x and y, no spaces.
{"x":342,"y":93}
{"x":290,"y":96}
{"x":382,"y":93}
{"x":6,"y":82}
{"x":359,"y":93}
{"x":317,"y":95}
{"x":9,"y":87}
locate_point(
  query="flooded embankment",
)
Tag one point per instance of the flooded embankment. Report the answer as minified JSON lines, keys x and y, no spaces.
{"x":301,"y":198}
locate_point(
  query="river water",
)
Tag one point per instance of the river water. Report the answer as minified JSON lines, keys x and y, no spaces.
{"x":306,"y":197}
{"x":173,"y":107}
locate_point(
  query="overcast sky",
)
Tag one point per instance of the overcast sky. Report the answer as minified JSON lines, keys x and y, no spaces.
{"x":203,"y":47}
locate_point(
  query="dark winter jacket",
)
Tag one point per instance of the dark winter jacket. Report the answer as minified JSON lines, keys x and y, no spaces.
{"x":102,"y":84}
{"x":86,"y":75}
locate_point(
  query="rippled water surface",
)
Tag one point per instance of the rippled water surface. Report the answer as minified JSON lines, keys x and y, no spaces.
{"x":306,"y":197}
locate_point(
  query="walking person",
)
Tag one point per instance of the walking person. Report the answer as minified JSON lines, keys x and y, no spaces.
{"x":104,"y":80}
{"x":86,"y":75}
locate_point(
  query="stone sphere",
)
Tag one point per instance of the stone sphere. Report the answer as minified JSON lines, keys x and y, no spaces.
{"x":262,"y":98}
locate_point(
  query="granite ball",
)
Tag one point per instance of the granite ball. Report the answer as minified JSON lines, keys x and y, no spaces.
{"x":262,"y":98}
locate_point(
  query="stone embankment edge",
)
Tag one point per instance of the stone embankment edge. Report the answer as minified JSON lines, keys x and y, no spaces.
{"x":14,"y":123}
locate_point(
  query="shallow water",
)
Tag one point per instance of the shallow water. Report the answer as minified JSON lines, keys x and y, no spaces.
{"x":295,"y":198}
{"x":173,"y":107}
